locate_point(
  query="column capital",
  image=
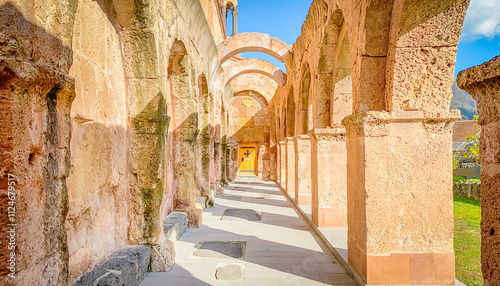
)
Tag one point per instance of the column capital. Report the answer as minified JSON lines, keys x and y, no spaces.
{"x":301,"y":137}
{"x":288,"y":139}
{"x":281,"y":142}
{"x":329,"y":134}
{"x":377,"y":123}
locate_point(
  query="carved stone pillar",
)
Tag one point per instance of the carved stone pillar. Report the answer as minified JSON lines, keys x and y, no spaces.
{"x":224,"y":15}
{"x":290,"y":166}
{"x":483,"y":82}
{"x":302,"y":169}
{"x":232,"y":161}
{"x":235,"y":20}
{"x":282,"y":162}
{"x":329,"y":177}
{"x":400,"y":197}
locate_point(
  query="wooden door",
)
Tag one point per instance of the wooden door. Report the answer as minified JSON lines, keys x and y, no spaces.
{"x":247,"y":156}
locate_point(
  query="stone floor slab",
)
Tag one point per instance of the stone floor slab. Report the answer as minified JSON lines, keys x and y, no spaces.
{"x":221,"y":249}
{"x":230,"y":271}
{"x":241,"y":214}
{"x":281,"y":249}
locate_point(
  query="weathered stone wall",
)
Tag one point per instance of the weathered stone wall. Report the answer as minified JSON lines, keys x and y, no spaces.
{"x":98,"y":191}
{"x":249,"y":120}
{"x":36,"y":93}
{"x":116,"y":181}
{"x":468,"y":190}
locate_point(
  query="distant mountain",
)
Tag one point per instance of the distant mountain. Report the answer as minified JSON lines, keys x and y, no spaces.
{"x":463,"y":101}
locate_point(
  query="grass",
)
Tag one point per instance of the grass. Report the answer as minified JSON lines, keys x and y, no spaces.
{"x":467,"y":240}
{"x":463,"y":179}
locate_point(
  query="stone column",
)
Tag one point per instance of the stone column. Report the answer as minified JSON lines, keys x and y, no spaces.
{"x":329,"y":177}
{"x":235,"y":20}
{"x":400,"y":197}
{"x":223,"y":162}
{"x":282,"y":162}
{"x":303,"y":194}
{"x":483,"y":82}
{"x":224,"y":16}
{"x":290,"y":166}
{"x":278,"y":162}
{"x":232,"y":161}
{"x":203,"y":153}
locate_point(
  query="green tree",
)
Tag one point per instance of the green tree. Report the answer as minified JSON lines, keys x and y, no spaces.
{"x":473,"y":150}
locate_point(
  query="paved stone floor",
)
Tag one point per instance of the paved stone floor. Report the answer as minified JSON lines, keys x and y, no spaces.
{"x":281,"y":249}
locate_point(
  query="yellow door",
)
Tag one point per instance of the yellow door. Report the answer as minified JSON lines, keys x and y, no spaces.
{"x":247,"y":157}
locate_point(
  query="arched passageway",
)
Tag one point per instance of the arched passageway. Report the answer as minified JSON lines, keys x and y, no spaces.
{"x":161,"y":102}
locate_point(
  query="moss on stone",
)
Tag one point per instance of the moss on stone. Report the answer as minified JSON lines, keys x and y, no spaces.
{"x":152,"y":198}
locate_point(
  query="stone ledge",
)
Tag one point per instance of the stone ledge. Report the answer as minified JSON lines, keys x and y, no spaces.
{"x":174,"y":225}
{"x":125,"y":266}
{"x":477,"y":74}
{"x":331,"y":134}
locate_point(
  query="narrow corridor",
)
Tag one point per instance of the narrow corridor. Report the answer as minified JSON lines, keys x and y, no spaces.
{"x":281,"y":249}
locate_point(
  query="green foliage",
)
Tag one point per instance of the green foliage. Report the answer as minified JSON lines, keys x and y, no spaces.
{"x":463,"y":179}
{"x":210,"y":203}
{"x":467,"y":240}
{"x":473,"y":150}
{"x":455,"y":162}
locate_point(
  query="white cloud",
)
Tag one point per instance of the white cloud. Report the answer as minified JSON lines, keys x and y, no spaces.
{"x":482,"y":20}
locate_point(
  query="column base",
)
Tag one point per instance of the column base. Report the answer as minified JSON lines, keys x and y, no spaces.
{"x":303,"y":200}
{"x":403,"y":268}
{"x":326,"y":217}
{"x":290,"y":166}
{"x":303,"y":195}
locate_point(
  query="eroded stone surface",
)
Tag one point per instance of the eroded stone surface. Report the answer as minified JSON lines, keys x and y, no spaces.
{"x":230,"y":272}
{"x":483,"y":83}
{"x":174,"y":225}
{"x":127,"y":266}
{"x":220,"y":249}
{"x":241,"y":214}
{"x":162,"y":256}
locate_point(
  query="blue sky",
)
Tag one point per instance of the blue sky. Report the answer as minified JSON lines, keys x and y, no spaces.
{"x":283,"y":19}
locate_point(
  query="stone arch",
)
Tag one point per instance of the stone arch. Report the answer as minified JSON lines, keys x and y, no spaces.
{"x":254,"y":94}
{"x":253,"y":42}
{"x":254,"y":81}
{"x":184,"y":126}
{"x":249,"y":121}
{"x":303,"y":102}
{"x":421,"y":54}
{"x":341,"y":104}
{"x":236,"y":68}
{"x":323,"y":103}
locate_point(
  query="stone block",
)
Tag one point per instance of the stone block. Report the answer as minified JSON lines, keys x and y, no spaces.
{"x":174,"y":225}
{"x":241,"y":214}
{"x":125,"y":266}
{"x":162,"y":256}
{"x":226,"y":271}
{"x":221,"y":249}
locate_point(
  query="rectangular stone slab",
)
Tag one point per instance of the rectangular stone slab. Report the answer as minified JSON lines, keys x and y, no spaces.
{"x":221,"y":249}
{"x":230,"y":271}
{"x":241,"y":214}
